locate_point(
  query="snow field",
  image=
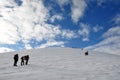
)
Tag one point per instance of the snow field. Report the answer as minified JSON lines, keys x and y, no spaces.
{"x":61,"y":64}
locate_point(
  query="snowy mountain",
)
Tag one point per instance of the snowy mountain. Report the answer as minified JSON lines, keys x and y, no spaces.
{"x":61,"y":64}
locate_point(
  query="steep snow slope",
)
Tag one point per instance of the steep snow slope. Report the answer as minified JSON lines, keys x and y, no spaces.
{"x":61,"y":64}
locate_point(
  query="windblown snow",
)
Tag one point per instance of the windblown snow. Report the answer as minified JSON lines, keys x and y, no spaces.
{"x":61,"y":64}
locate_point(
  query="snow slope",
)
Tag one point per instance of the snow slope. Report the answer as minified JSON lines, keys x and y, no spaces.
{"x":61,"y":64}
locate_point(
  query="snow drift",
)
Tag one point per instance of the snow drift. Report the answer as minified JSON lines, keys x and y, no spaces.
{"x":61,"y":64}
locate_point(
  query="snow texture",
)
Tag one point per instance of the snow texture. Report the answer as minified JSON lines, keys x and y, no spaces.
{"x":61,"y":64}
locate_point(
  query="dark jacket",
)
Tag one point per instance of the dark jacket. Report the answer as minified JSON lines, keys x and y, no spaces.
{"x":16,"y":57}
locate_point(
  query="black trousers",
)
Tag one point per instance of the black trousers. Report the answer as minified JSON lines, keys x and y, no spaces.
{"x":15,"y":62}
{"x":26,"y":62}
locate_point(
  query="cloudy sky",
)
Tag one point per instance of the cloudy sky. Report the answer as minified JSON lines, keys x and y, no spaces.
{"x":88,"y":24}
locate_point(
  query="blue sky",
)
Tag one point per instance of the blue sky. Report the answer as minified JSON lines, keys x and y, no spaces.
{"x":88,"y":24}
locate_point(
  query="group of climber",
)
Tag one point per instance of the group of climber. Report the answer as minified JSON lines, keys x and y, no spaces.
{"x":24,"y":60}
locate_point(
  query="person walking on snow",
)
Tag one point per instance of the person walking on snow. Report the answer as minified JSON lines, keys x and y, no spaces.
{"x":15,"y":59}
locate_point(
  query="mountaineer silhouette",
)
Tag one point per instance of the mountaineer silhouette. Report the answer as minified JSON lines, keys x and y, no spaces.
{"x":86,"y":53}
{"x":15,"y":59}
{"x":24,"y":60}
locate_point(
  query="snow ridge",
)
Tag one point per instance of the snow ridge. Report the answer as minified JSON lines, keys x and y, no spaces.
{"x":61,"y":64}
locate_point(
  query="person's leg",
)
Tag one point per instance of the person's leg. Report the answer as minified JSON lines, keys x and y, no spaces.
{"x":21,"y":63}
{"x":15,"y":63}
{"x":26,"y":62}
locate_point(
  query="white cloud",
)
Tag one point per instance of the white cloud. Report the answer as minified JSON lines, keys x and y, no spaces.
{"x":4,"y":3}
{"x":62,"y":3}
{"x":97,"y":28}
{"x":28,"y":46}
{"x":4,"y":49}
{"x":84,"y":31}
{"x":111,"y":43}
{"x":46,"y":32}
{"x":56,"y":17}
{"x":28,"y":21}
{"x":117,"y":19}
{"x":8,"y":33}
{"x":20,"y":20}
{"x":52,"y":43}
{"x":69,"y":34}
{"x":78,"y":8}
{"x":100,"y":2}
{"x":114,"y":31}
